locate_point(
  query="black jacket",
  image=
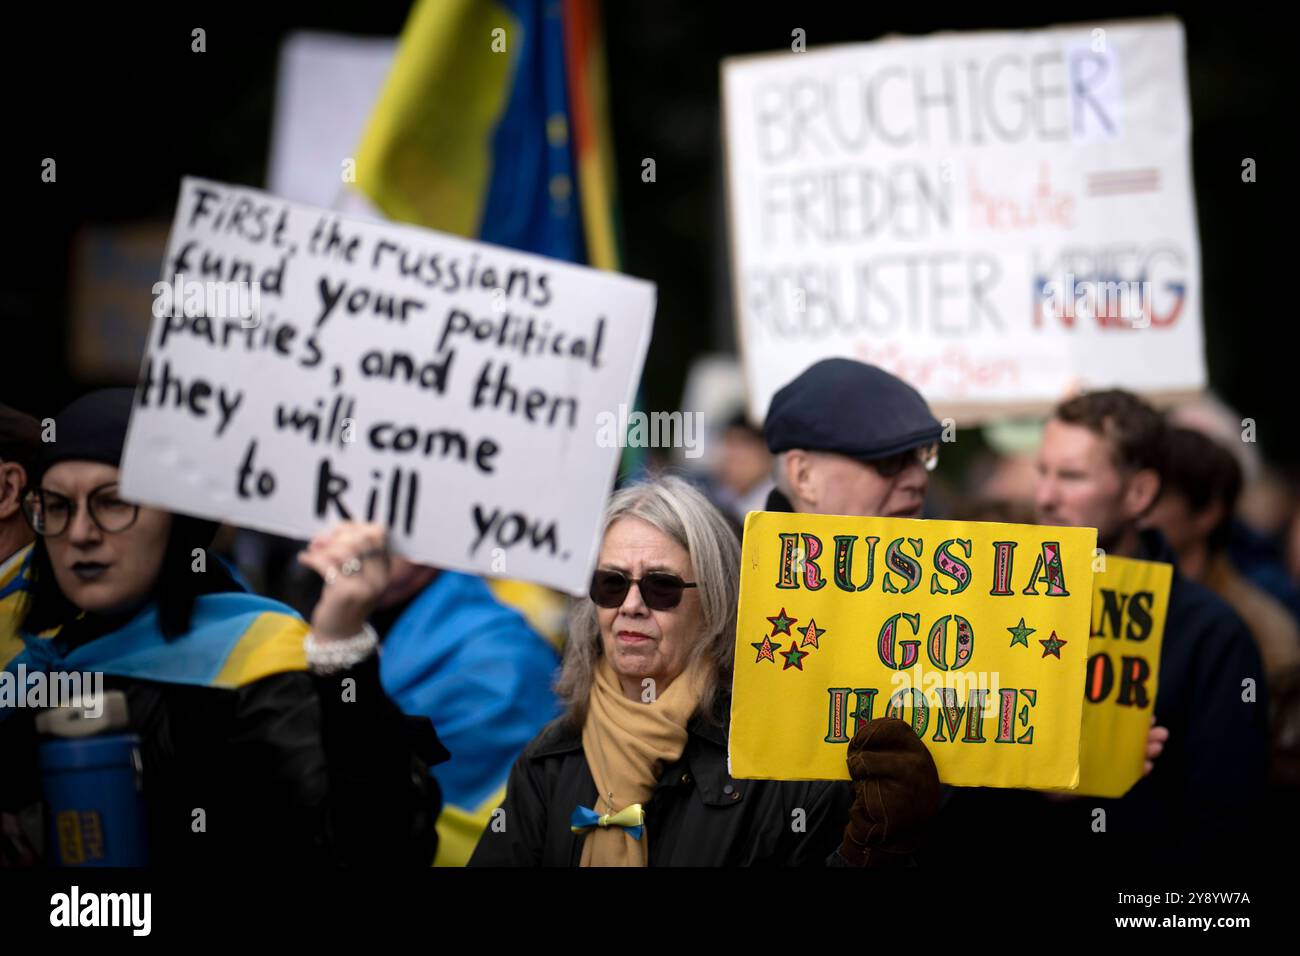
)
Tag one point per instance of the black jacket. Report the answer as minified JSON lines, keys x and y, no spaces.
{"x":285,"y":769}
{"x":1211,"y":775}
{"x":698,"y":814}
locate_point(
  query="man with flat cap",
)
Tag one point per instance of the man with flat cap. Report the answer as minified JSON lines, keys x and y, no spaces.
{"x":851,"y":439}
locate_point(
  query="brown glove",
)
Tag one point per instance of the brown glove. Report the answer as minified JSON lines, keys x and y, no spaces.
{"x":897,"y":791}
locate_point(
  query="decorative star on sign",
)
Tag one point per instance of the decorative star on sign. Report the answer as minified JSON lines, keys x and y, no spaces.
{"x":1020,"y":634}
{"x":781,"y":624}
{"x":1053,"y":646}
{"x":793,"y":657}
{"x":811,"y":633}
{"x":766,"y":649}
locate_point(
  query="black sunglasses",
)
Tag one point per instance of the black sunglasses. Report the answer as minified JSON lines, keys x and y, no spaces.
{"x":660,"y":590}
{"x":895,"y":465}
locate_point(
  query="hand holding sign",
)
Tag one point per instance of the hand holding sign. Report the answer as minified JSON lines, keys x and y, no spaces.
{"x":1119,"y":739}
{"x":975,"y":633}
{"x":306,"y":368}
{"x":1157,"y":737}
{"x":896,"y":792}
{"x":352,"y":559}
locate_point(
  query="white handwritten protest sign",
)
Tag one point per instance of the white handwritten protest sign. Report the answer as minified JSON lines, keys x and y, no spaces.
{"x":995,"y":217}
{"x":446,"y":388}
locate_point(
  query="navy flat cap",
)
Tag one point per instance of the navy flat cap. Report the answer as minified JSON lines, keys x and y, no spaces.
{"x":852,"y":408}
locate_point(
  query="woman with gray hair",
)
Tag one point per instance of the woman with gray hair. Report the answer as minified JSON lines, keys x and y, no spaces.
{"x":635,"y":772}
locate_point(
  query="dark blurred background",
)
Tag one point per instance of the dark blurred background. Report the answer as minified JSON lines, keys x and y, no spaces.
{"x":127,"y":109}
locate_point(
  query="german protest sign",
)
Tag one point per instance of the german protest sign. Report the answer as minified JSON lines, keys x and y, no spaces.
{"x":1130,"y":601}
{"x":995,"y":217}
{"x":449,"y":389}
{"x":974,"y":632}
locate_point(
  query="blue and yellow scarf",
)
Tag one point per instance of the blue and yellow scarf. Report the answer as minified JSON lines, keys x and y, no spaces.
{"x":234,"y":639}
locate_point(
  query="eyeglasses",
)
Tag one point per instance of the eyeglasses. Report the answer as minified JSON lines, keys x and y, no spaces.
{"x":50,"y":513}
{"x":660,"y":590}
{"x":895,"y":465}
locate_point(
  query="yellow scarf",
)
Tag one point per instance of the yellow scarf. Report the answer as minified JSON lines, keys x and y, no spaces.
{"x":627,"y":744}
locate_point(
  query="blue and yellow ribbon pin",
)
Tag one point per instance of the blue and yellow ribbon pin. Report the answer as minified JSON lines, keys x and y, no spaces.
{"x":631,"y":819}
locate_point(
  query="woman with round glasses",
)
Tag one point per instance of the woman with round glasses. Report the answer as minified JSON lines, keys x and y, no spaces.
{"x":635,"y":772}
{"x":261,"y":739}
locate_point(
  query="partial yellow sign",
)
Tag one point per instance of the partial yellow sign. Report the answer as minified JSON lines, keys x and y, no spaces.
{"x":1130,"y":602}
{"x":974,"y":632}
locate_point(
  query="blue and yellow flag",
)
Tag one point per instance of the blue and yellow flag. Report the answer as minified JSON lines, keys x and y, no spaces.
{"x":234,"y":639}
{"x":474,"y":134}
{"x":483,"y":676}
{"x":493,"y":124}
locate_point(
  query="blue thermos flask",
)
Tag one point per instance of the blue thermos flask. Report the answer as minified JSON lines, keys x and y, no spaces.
{"x":91,"y":777}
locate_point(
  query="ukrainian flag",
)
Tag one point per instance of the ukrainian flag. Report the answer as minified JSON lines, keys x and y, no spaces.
{"x":492,"y":124}
{"x":234,"y":639}
{"x":483,"y":676}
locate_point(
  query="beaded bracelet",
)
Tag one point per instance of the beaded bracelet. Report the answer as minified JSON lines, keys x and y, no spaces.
{"x":329,"y":657}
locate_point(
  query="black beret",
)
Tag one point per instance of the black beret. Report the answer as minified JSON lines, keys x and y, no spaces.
{"x":93,"y":428}
{"x":852,"y":408}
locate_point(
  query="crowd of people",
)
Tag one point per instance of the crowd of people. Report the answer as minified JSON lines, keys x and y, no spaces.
{"x":391,"y":712}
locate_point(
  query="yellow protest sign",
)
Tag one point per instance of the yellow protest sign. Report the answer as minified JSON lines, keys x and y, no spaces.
{"x":974,"y":632}
{"x":1130,"y":601}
